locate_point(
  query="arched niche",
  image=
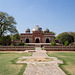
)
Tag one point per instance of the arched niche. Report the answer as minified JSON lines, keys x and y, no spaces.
{"x":27,"y":40}
{"x":47,"y":40}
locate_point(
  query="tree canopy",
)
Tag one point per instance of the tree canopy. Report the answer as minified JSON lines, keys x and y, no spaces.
{"x":5,"y":40}
{"x":73,"y":34}
{"x":59,"y":36}
{"x":16,"y":37}
{"x":66,"y":37}
{"x":7,"y":24}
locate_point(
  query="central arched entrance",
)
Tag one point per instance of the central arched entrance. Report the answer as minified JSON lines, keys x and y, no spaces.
{"x":47,"y":40}
{"x":27,"y":40}
{"x":37,"y":41}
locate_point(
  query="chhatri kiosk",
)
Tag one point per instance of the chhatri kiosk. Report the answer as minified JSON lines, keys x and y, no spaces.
{"x":37,"y":36}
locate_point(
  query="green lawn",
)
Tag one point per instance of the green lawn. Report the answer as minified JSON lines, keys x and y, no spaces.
{"x":69,"y":61}
{"x":8,"y":65}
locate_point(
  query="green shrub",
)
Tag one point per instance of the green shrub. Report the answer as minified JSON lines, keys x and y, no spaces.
{"x":0,"y":45}
{"x":25,"y":45}
{"x":66,"y":43}
{"x":21,"y":44}
{"x":11,"y":45}
{"x":42,"y":48}
{"x":53,"y":43}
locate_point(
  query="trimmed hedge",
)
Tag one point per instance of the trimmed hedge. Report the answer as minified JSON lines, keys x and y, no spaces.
{"x":21,"y":44}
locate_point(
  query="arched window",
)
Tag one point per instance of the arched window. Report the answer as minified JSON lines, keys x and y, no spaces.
{"x":37,"y":41}
{"x":21,"y":40}
{"x":27,"y":40}
{"x":47,"y":40}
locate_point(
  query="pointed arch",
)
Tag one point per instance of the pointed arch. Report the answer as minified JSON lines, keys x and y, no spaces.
{"x":37,"y":41}
{"x":47,"y":40}
{"x":27,"y":40}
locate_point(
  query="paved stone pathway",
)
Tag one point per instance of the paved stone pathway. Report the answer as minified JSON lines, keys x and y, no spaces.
{"x":39,"y":53}
{"x":42,"y":68}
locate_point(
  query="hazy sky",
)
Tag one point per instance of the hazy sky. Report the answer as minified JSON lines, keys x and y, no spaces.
{"x":57,"y":15}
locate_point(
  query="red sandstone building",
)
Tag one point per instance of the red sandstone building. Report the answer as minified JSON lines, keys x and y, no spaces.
{"x":37,"y":36}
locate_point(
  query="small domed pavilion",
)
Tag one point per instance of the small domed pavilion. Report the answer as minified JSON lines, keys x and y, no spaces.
{"x":27,"y":30}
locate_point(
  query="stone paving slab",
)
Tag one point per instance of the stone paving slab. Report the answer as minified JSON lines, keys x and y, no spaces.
{"x":42,"y":68}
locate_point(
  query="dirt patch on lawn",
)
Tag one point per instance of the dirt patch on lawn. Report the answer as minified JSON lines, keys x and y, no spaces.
{"x":37,"y":59}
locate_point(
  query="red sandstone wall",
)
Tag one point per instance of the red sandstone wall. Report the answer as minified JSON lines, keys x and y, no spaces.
{"x":16,"y":48}
{"x":59,"y":48}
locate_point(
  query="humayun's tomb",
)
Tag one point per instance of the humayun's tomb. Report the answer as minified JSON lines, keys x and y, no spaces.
{"x":37,"y":36}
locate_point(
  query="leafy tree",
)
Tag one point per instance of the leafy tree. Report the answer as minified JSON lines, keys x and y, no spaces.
{"x":66,"y":37}
{"x":1,"y":40}
{"x":59,"y":36}
{"x":73,"y":34}
{"x":5,"y":40}
{"x":16,"y":36}
{"x":7,"y":24}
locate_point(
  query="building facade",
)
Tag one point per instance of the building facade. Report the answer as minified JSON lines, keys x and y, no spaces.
{"x":37,"y":36}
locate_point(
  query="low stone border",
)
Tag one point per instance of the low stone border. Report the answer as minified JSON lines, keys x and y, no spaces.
{"x":59,"y":48}
{"x":16,"y":48}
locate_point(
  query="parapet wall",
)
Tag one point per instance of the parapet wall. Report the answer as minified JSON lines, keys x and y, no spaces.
{"x":16,"y":48}
{"x":59,"y":48}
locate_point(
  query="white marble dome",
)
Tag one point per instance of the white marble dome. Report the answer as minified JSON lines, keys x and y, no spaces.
{"x":37,"y":28}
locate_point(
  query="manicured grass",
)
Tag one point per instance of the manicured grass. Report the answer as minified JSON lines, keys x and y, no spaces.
{"x":8,"y":64}
{"x":69,"y":61}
